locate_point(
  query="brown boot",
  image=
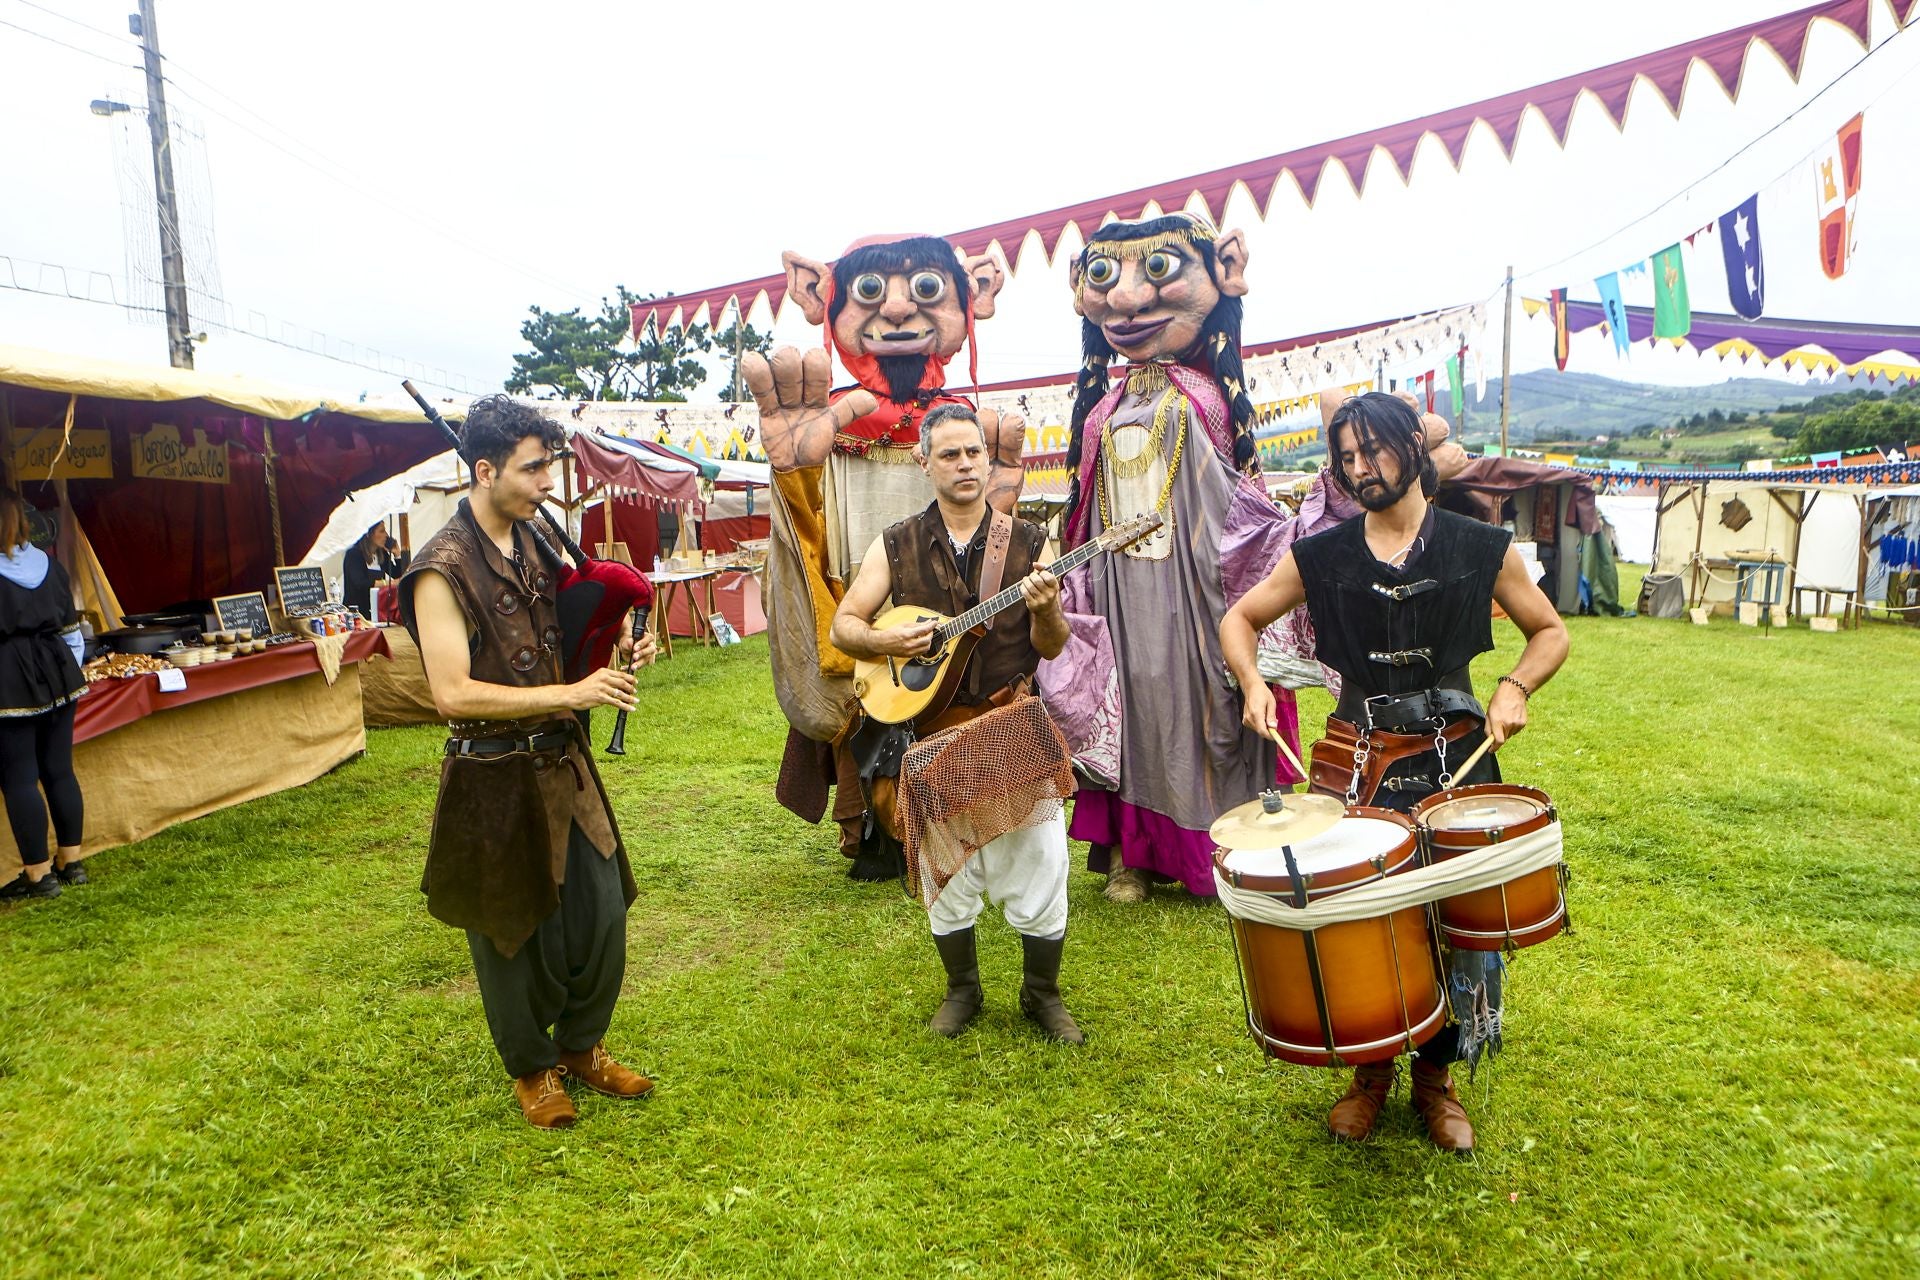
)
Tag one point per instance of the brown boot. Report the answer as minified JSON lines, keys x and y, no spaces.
{"x":603,"y":1075}
{"x":1439,"y":1105}
{"x":543,"y":1099}
{"x":963,"y":983}
{"x":1351,"y":1119}
{"x":1040,"y":992}
{"x":1126,"y":885}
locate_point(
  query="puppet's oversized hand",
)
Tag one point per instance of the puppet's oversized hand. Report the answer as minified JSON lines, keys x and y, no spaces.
{"x":1006,"y":436}
{"x":797,"y":425}
{"x":1449,"y":459}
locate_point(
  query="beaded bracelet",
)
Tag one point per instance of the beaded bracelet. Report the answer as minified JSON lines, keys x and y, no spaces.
{"x":1525,"y":692}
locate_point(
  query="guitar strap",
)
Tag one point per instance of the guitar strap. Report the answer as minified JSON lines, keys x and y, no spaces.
{"x":999,"y":537}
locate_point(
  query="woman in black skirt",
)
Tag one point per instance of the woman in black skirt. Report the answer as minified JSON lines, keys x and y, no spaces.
{"x":40,"y":680}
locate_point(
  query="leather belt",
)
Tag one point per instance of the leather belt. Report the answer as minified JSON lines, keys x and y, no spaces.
{"x":1395,"y":711}
{"x":545,"y":740}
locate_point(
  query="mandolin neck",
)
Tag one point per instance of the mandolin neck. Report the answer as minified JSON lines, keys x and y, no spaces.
{"x":956,"y":627}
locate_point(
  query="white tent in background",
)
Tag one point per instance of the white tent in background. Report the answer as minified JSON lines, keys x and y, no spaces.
{"x":1634,"y":520}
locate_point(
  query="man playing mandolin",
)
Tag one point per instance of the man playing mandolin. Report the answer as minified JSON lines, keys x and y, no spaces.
{"x":945,"y":560}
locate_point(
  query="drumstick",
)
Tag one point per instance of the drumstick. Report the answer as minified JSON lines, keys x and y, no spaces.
{"x":1286,"y":751}
{"x":1474,"y":759}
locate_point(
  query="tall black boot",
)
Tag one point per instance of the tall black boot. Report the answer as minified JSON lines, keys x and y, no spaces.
{"x":1040,"y":992}
{"x":963,"y":983}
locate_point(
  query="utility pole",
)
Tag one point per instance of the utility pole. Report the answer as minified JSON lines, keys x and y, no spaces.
{"x":1506,"y":364}
{"x":739,"y":339}
{"x":173,"y":262}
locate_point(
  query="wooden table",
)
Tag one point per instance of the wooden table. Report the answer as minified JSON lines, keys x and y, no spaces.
{"x":1849,"y":616}
{"x":666,"y":588}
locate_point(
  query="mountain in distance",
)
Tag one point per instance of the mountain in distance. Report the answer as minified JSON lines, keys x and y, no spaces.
{"x":1548,"y":405}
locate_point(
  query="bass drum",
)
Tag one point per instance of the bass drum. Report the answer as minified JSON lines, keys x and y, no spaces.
{"x":1359,"y":991}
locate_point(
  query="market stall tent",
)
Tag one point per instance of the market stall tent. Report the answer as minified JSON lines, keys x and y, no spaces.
{"x":192,"y":485}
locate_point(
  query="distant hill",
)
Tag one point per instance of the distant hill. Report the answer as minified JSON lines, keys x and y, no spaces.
{"x":1548,"y":405}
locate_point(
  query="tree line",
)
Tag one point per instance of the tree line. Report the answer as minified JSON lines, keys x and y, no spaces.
{"x":579,"y":356}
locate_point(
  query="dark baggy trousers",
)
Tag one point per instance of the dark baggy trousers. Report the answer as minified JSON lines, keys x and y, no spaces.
{"x":558,"y":991}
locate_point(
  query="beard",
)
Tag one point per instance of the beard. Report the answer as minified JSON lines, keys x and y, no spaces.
{"x":903,"y":375}
{"x":1378,"y":495}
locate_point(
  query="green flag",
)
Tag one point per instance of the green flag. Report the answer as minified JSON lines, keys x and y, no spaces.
{"x":1457,"y":387}
{"x":1672,"y":316}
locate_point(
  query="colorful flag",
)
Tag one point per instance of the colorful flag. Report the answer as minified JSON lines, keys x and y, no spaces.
{"x":1836,"y":184}
{"x":1557,"y":305}
{"x":1615,"y":311}
{"x":1672,"y":316}
{"x":1740,"y":248}
{"x":1827,"y":459}
{"x":1456,"y":386}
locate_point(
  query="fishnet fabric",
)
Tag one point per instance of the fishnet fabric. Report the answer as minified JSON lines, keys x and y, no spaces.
{"x":964,"y":788}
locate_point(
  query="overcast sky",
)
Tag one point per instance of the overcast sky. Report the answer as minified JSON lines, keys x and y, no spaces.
{"x":409,"y":177}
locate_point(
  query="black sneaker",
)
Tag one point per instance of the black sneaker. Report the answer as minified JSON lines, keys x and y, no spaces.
{"x":47,"y":886}
{"x":73,"y":874}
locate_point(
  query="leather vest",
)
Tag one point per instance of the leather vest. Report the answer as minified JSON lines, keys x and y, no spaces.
{"x":926,"y":573}
{"x":498,"y":852}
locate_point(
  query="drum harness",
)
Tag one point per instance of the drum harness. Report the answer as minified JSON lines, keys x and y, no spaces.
{"x":1401,"y":712}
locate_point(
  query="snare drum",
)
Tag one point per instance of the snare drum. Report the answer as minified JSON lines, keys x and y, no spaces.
{"x":1519,"y":913}
{"x":1358,"y":991}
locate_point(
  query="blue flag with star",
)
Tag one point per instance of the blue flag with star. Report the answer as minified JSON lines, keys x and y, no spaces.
{"x":1740,"y":246}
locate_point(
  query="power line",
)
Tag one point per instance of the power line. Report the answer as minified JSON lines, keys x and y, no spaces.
{"x":99,"y":31}
{"x":10,"y":279}
{"x":41,"y":35}
{"x":1750,"y":145}
{"x":332,"y":169}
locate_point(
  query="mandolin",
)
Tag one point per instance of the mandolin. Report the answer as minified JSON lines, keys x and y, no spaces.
{"x":895,"y":690}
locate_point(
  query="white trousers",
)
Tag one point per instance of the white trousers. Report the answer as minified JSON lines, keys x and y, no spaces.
{"x":1024,"y":872}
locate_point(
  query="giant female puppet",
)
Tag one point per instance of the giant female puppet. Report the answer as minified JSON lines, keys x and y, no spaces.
{"x":1173,"y":434}
{"x":896,"y":310}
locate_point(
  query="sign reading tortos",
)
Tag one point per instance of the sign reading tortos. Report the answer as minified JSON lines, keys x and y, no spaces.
{"x":248,"y":611}
{"x":48,"y":453}
{"x":162,"y":454}
{"x":301,"y":587}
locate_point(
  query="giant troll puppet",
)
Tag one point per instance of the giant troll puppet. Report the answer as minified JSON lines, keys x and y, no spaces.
{"x":895,"y":310}
{"x":1170,"y":431}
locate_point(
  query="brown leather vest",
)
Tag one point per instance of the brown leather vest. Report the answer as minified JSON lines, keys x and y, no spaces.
{"x":925,"y":572}
{"x":498,"y":853}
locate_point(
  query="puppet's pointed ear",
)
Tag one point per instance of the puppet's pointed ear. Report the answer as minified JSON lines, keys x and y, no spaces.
{"x":1230,"y":252}
{"x":987,"y":278}
{"x":807,"y":285}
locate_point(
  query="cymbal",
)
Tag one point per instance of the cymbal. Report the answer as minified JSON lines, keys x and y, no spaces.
{"x":1277,"y":818}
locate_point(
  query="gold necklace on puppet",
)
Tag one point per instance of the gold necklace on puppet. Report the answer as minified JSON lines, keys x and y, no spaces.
{"x":1146,"y":380}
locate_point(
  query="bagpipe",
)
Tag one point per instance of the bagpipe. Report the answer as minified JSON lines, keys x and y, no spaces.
{"x":593,"y":597}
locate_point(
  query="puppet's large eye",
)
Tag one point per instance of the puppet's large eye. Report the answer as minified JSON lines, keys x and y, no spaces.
{"x":1102,"y":271}
{"x":869,"y":288}
{"x":1162,"y":266}
{"x":928,"y":286}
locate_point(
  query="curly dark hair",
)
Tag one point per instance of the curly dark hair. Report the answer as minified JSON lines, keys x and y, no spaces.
{"x":497,"y":424}
{"x":1392,"y":426}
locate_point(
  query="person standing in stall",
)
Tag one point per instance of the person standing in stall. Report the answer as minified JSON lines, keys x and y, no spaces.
{"x":1401,"y":599}
{"x":40,"y":681}
{"x":374,"y":558}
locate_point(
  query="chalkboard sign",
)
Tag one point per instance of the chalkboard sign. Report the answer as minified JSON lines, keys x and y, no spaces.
{"x":248,"y":611}
{"x":301,"y":588}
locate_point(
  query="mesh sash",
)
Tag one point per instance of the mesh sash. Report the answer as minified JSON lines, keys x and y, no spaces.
{"x":964,"y":788}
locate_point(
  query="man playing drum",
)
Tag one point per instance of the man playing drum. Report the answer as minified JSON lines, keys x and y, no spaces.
{"x":1401,"y":600}
{"x":937,"y":560}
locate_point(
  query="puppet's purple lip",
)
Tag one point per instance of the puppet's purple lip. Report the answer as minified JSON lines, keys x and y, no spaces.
{"x":899,"y":343}
{"x":1132,"y":333}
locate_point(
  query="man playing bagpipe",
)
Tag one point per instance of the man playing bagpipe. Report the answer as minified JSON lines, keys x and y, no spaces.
{"x":525,"y":854}
{"x":981,"y":792}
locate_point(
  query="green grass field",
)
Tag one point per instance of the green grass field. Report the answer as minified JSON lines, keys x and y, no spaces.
{"x":246,"y":1049}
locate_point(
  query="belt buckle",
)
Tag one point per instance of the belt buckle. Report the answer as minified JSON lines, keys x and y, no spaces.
{"x":1366,"y":704}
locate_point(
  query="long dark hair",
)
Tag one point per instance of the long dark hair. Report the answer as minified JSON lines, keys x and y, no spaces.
{"x":14,"y":529}
{"x":1219,"y":348}
{"x":1394,"y":427}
